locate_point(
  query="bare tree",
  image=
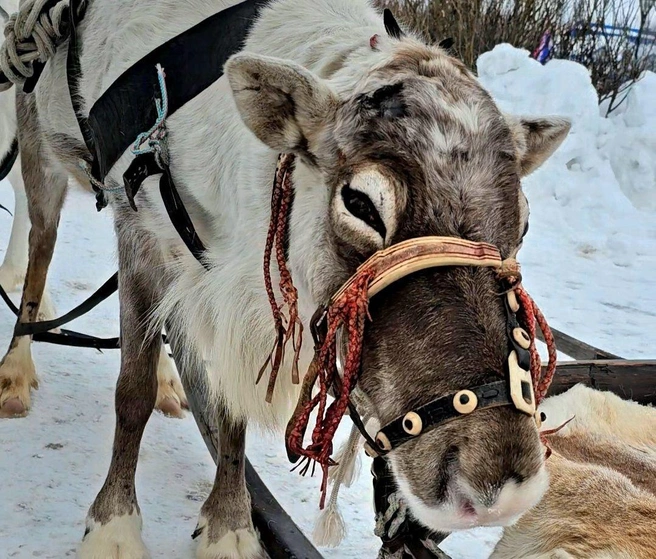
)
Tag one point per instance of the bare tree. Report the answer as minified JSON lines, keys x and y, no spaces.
{"x":610,"y":37}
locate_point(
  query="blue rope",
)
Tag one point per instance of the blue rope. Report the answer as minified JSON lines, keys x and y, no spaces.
{"x":96,"y":183}
{"x":156,"y":134}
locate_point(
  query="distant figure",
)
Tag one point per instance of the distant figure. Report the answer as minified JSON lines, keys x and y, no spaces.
{"x":545,"y":49}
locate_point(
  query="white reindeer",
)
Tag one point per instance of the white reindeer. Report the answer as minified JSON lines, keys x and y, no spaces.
{"x":394,"y":139}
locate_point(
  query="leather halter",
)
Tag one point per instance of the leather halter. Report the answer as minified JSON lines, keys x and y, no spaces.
{"x":400,"y":260}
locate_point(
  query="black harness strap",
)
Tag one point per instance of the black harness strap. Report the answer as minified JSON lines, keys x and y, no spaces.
{"x":40,"y":331}
{"x":30,"y":328}
{"x":194,"y":60}
{"x":9,"y":159}
{"x":180,"y":218}
{"x":77,"y":9}
{"x":442,"y":410}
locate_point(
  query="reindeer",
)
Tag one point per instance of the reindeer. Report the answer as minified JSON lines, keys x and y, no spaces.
{"x":601,"y":501}
{"x":18,"y":377}
{"x":394,"y":139}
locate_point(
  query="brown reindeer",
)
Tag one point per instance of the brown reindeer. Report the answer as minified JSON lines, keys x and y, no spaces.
{"x":601,"y":501}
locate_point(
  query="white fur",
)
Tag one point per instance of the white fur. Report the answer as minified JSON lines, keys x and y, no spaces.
{"x":12,"y":271}
{"x":600,"y":413}
{"x":513,"y":500}
{"x":238,"y":544}
{"x":120,"y":538}
{"x":227,"y":172}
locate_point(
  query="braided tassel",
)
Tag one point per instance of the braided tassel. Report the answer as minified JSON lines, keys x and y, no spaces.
{"x":348,"y":460}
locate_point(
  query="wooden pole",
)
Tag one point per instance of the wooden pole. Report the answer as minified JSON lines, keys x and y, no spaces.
{"x":281,"y":537}
{"x":629,"y":379}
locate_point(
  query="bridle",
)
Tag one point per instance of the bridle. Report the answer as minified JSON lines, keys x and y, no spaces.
{"x":523,"y":387}
{"x":405,"y":258}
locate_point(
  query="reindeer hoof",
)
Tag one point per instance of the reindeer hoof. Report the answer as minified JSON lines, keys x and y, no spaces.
{"x":238,"y":544}
{"x":171,"y":407}
{"x":13,"y":408}
{"x":171,"y":398}
{"x":120,"y":538}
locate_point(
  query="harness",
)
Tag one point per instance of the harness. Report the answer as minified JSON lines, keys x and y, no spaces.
{"x":523,"y":386}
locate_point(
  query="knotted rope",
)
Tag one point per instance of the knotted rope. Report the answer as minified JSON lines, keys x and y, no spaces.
{"x":32,"y":35}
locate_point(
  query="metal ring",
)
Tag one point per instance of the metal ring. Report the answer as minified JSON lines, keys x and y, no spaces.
{"x":465,"y":402}
{"x":412,"y":424}
{"x":383,"y":442}
{"x":513,"y":303}
{"x":522,"y":338}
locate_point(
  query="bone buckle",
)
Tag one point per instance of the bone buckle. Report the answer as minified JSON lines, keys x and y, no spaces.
{"x":521,"y":386}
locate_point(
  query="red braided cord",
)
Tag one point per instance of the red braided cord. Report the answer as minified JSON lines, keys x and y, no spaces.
{"x":349,"y":313}
{"x":281,"y":198}
{"x":533,"y":316}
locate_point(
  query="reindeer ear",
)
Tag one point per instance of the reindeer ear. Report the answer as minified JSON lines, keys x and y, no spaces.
{"x":537,"y":139}
{"x":391,"y":25}
{"x":282,"y":103}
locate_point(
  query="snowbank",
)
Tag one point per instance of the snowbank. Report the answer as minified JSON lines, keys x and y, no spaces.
{"x":589,"y":261}
{"x":592,"y":244}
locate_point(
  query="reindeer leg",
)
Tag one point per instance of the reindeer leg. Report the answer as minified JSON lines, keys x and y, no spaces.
{"x":45,"y":186}
{"x":14,"y":265}
{"x":114,"y":519}
{"x":225,"y":527}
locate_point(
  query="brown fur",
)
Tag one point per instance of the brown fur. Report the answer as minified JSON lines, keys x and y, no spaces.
{"x":436,"y":322}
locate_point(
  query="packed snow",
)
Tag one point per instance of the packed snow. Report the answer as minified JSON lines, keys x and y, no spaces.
{"x":589,"y":260}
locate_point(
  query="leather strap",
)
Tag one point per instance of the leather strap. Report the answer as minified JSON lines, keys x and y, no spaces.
{"x":180,"y":217}
{"x":40,"y":331}
{"x":441,"y":411}
{"x":193,"y":61}
{"x":402,"y":259}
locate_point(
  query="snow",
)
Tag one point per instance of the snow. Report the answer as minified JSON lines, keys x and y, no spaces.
{"x":589,"y":261}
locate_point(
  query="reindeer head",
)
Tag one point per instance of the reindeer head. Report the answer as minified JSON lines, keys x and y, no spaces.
{"x":400,"y":141}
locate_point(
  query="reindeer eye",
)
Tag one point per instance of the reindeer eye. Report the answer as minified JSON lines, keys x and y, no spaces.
{"x":361,"y":206}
